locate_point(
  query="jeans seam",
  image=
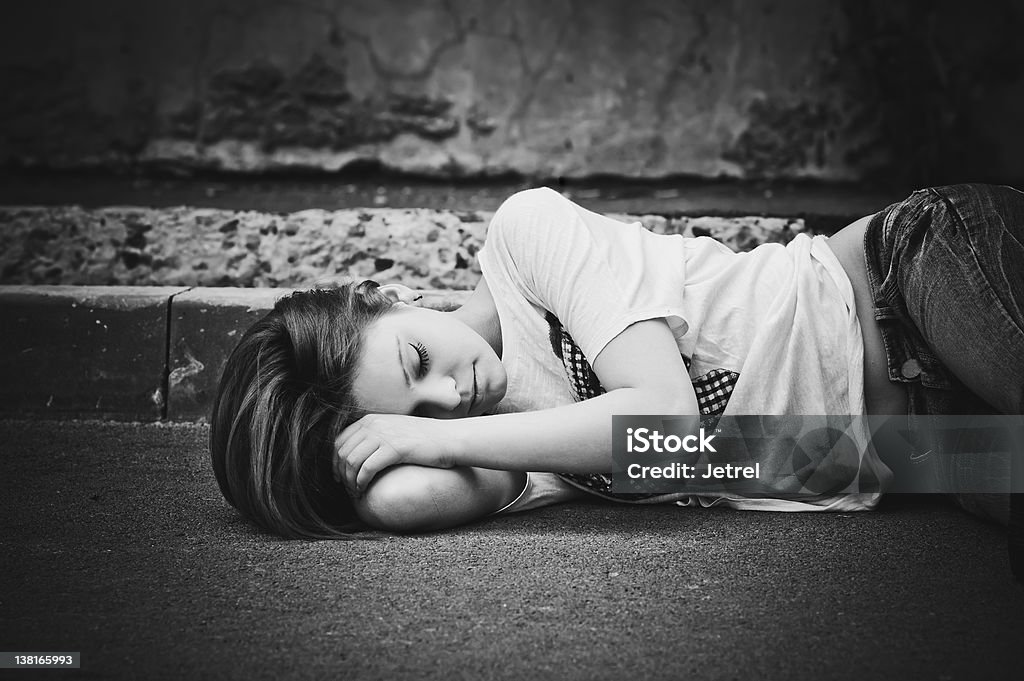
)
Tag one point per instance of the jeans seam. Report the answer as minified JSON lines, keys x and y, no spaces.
{"x":991,"y":289}
{"x":889,"y":286}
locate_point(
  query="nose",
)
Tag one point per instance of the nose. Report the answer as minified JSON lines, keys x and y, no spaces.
{"x":438,"y":398}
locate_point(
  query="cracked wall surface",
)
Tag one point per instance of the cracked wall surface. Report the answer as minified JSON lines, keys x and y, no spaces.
{"x":639,"y":88}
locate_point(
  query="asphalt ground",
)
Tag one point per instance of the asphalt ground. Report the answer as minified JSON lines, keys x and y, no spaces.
{"x":115,"y":543}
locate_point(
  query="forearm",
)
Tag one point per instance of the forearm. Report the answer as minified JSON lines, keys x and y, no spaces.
{"x":575,"y":438}
{"x":641,"y":369}
{"x":417,"y":498}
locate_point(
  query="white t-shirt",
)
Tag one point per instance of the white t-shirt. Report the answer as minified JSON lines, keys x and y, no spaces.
{"x":772,"y":331}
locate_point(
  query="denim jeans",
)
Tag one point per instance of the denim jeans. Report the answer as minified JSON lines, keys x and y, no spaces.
{"x":946,"y":269}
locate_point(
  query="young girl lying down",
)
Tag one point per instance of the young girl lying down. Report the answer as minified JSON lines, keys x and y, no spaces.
{"x":352,"y":407}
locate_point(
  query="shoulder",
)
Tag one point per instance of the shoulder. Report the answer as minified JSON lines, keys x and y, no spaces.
{"x":523,"y":228}
{"x":532,"y":198}
{"x":529,"y":208}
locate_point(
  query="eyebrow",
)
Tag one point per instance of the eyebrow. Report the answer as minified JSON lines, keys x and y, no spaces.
{"x":401,"y":363}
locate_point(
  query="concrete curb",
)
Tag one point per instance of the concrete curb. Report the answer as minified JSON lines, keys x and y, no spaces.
{"x":127,"y":353}
{"x":152,"y":346}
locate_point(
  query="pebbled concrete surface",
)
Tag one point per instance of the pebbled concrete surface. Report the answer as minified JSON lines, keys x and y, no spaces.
{"x":422,"y":248}
{"x":114,"y":542}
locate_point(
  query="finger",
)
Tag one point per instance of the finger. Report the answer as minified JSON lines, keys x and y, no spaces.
{"x":353,"y":459}
{"x":383,"y":456}
{"x":351,"y":431}
{"x":343,"y":447}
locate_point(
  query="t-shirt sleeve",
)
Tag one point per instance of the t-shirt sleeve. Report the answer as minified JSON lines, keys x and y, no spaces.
{"x":595,"y":274}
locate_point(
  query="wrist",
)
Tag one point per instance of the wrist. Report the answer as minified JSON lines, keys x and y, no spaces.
{"x":458,"y":440}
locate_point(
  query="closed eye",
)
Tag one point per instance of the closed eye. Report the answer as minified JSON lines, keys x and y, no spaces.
{"x":424,"y":360}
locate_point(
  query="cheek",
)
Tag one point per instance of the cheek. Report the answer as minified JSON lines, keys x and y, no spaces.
{"x":362,"y":399}
{"x":382,"y":404}
{"x":374,"y":397}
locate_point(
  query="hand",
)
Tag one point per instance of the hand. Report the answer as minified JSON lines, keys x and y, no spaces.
{"x":379,"y":441}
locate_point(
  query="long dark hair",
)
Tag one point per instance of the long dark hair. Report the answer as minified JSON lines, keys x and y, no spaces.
{"x":285,"y":393}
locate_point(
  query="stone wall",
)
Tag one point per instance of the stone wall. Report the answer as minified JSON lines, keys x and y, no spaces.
{"x":826,"y":89}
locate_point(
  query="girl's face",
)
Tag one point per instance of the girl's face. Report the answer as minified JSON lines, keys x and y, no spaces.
{"x":423,"y":362}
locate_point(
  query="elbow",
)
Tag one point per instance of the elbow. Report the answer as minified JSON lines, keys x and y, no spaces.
{"x":681,"y":405}
{"x":398,"y":501}
{"x":671,"y":400}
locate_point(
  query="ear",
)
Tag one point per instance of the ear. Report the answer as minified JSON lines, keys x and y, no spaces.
{"x":401,"y":294}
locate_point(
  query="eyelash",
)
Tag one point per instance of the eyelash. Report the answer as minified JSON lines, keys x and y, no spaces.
{"x":424,"y":359}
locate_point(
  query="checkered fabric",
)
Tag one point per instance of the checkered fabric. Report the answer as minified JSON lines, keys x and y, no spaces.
{"x":582,"y":378}
{"x":713,"y":390}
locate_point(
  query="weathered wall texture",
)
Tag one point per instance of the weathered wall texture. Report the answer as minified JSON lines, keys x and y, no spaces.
{"x":428,"y":249}
{"x":825,"y":89}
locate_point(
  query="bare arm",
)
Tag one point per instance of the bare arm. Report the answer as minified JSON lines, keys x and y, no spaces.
{"x":418,"y":498}
{"x":641,"y":369}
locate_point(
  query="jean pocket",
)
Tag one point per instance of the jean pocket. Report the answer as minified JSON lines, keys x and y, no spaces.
{"x":903,"y":234}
